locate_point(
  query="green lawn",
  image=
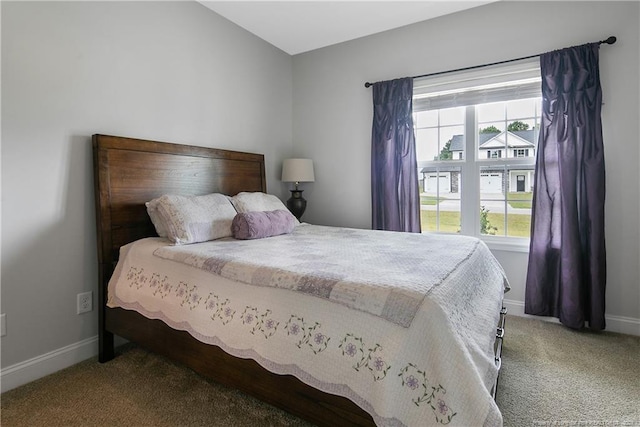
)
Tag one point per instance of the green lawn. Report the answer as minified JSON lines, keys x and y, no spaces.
{"x":430,"y":200}
{"x":518,"y":225}
{"x":449,"y":221}
{"x":520,"y":200}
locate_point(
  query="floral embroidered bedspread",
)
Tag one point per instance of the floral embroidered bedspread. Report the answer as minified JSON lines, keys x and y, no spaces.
{"x":386,"y":274}
{"x":402,"y":324}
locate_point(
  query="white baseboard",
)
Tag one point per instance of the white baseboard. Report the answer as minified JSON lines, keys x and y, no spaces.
{"x":620,"y":324}
{"x":30,"y":370}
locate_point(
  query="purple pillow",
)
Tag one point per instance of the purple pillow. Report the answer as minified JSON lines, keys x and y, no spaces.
{"x":259,"y":224}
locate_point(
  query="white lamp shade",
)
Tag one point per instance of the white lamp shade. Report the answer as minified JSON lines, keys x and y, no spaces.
{"x":297,"y":170}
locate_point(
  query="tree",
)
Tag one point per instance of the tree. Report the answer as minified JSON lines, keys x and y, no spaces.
{"x":512,"y":127}
{"x":490,"y":129}
{"x":445,"y":153}
{"x":517,"y":125}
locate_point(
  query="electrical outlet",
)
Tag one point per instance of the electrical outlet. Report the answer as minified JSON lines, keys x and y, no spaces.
{"x":85,"y":302}
{"x":3,"y":325}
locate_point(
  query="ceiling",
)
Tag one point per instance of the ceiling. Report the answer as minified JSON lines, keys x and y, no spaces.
{"x":300,"y":26}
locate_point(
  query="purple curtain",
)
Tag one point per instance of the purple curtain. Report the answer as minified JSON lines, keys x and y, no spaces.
{"x":394,"y":170}
{"x":566,"y":277}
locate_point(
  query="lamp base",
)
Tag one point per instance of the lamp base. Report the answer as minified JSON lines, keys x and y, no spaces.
{"x":297,"y":204}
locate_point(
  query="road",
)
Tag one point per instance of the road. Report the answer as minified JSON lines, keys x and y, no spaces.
{"x":452,"y":203}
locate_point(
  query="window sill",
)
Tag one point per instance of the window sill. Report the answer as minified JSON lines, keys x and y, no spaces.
{"x":506,"y":244}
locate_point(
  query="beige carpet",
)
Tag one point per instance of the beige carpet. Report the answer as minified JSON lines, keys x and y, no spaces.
{"x":551,"y":376}
{"x":554,"y":376}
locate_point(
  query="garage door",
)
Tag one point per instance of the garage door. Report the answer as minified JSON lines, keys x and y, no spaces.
{"x":491,"y":183}
{"x":444,"y":180}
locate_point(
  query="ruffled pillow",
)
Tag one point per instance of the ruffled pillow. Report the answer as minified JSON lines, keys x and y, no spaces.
{"x":192,"y":219}
{"x":257,"y":201}
{"x":156,"y":219}
{"x":260,"y":224}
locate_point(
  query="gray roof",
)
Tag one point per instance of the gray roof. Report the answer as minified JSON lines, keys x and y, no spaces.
{"x":527,"y":135}
{"x":430,"y":169}
{"x":457,"y":141}
{"x":440,"y":169}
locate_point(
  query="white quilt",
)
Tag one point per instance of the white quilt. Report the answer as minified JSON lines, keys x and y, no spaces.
{"x":402,"y":324}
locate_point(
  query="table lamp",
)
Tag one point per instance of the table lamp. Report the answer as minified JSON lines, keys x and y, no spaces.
{"x":297,"y":170}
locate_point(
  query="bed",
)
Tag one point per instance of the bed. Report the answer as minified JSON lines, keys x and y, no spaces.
{"x":320,"y":349}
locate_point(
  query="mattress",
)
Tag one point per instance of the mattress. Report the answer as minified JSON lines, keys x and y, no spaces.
{"x":402,"y":324}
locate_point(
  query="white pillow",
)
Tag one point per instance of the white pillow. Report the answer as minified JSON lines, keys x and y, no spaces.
{"x":152,"y":211}
{"x":256,"y":202}
{"x":192,"y":219}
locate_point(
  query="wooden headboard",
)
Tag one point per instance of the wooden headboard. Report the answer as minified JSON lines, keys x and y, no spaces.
{"x":129,"y":172}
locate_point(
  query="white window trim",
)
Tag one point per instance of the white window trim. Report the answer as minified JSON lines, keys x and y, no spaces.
{"x":515,"y":244}
{"x":478,"y":86}
{"x":439,"y":89}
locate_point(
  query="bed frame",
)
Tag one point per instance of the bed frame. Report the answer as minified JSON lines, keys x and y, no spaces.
{"x":129,"y":172}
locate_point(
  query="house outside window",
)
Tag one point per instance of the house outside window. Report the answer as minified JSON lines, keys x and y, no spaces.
{"x":476,"y":140}
{"x":494,"y":154}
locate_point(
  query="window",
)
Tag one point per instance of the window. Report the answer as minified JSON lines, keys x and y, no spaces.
{"x":439,"y":146}
{"x":476,"y":138}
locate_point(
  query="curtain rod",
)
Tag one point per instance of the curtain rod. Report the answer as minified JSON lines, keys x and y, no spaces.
{"x":610,"y":40}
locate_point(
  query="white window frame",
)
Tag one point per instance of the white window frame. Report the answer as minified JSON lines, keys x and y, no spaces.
{"x":449,"y":91}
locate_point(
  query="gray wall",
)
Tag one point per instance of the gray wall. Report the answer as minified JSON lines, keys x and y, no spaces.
{"x":332,"y":112}
{"x":178,"y":72}
{"x":168,"y":71}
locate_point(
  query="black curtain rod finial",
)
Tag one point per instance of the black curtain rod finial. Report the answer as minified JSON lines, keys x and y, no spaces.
{"x":610,"y":40}
{"x":368,"y":85}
